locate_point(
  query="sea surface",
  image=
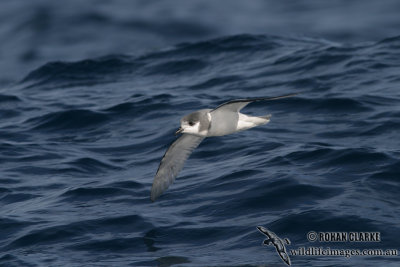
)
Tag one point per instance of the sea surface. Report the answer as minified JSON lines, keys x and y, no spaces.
{"x":81,"y":138}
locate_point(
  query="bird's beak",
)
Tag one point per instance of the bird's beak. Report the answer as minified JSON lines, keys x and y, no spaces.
{"x":179,"y":131}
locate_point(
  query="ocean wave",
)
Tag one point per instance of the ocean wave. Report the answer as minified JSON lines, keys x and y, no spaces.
{"x":8,"y":98}
{"x":67,"y":120}
{"x":85,"y":72}
{"x":82,"y":141}
{"x":87,"y":194}
{"x":74,"y":231}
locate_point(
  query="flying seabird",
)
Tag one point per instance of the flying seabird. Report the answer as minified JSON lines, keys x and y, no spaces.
{"x":222,"y":120}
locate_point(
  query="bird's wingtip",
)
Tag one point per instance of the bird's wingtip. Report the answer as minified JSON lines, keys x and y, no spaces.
{"x":155,"y":192}
{"x":153,"y":196}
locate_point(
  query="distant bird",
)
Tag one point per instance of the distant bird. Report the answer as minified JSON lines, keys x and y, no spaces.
{"x":279,"y":243}
{"x":224,"y":119}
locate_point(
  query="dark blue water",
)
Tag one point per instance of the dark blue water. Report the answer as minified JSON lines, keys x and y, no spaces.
{"x":81,"y":138}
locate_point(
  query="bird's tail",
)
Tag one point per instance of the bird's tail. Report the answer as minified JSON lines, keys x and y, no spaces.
{"x":261,"y":120}
{"x":246,"y":122}
{"x":266,"y":117}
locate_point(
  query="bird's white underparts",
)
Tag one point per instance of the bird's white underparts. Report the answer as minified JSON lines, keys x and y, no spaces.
{"x":224,"y":119}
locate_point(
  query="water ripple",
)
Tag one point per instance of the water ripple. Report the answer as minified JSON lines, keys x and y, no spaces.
{"x":82,"y":140}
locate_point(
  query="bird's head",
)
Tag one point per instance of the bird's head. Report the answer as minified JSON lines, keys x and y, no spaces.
{"x":195,"y":123}
{"x":190,"y":124}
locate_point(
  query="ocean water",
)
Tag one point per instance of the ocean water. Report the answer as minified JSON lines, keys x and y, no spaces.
{"x":81,"y":139}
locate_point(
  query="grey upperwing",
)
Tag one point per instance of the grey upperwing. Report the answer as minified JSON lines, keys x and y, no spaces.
{"x":237,"y":104}
{"x":172,"y":163}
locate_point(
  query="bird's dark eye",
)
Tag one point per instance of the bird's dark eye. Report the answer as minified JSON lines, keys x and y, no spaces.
{"x":191,"y":123}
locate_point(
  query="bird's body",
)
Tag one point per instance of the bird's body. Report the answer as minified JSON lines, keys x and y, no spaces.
{"x":223,"y":120}
{"x":232,"y":122}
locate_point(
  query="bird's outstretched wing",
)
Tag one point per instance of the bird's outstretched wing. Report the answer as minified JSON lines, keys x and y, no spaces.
{"x":172,"y":163}
{"x":238,"y":104}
